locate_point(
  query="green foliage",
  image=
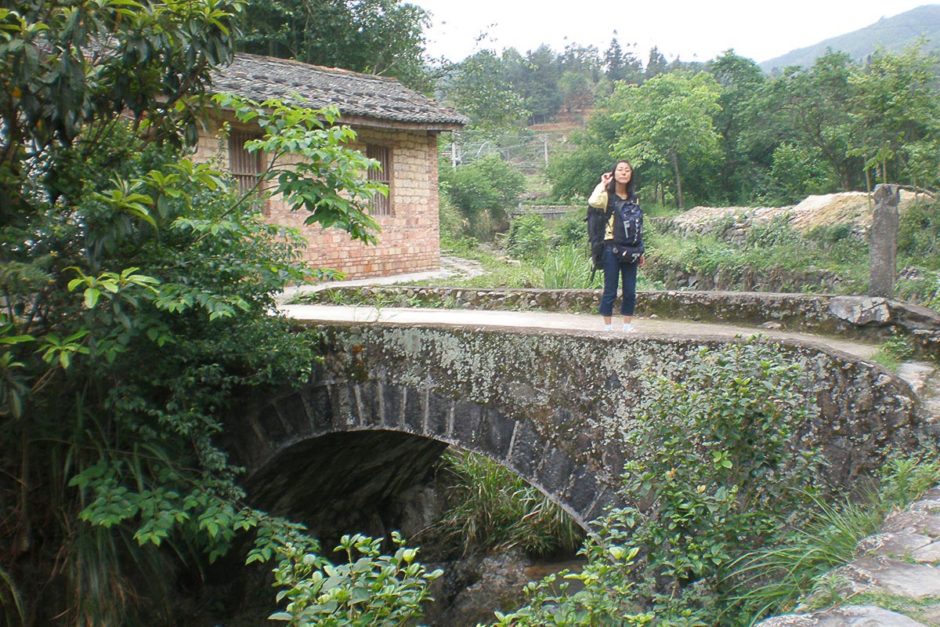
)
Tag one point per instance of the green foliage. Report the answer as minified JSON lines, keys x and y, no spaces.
{"x":528,"y":237}
{"x":726,"y":458}
{"x":571,"y":230}
{"x":330,"y":189}
{"x":798,"y":171}
{"x":369,"y":589}
{"x":567,"y":267}
{"x":668,"y":122}
{"x":453,"y":225}
{"x":808,"y":109}
{"x":740,"y":79}
{"x":723,"y":132}
{"x":138,"y":289}
{"x":894,"y":110}
{"x":603,"y":592}
{"x":919,"y":234}
{"x":893,"y":351}
{"x":479,"y":87}
{"x":773,"y":248}
{"x":535,"y":78}
{"x":382,"y":37}
{"x":728,"y":470}
{"x":574,"y":174}
{"x":483,"y":191}
{"x":773,"y":579}
{"x":490,"y":507}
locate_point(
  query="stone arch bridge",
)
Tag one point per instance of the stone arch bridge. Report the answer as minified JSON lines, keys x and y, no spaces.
{"x":551,"y":405}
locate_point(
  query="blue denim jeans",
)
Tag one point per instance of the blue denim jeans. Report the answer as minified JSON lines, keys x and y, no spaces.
{"x":616,"y":271}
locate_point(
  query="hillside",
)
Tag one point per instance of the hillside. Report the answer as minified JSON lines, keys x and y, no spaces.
{"x":891,"y":33}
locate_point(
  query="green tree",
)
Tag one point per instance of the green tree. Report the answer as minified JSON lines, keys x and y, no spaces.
{"x":137,"y":290}
{"x":798,"y":171}
{"x":669,"y":121}
{"x":620,"y":65}
{"x":808,"y":108}
{"x":479,"y":87}
{"x":656,"y":64}
{"x":483,"y":191}
{"x":896,"y":118}
{"x":577,"y":91}
{"x":740,"y":79}
{"x":535,"y":78}
{"x":384,"y":37}
{"x":574,"y":174}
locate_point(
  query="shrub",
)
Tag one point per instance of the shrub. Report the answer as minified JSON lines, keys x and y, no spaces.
{"x":919,"y":234}
{"x":567,"y":267}
{"x":528,"y":237}
{"x":716,"y":463}
{"x":571,"y":230}
{"x":893,"y":351}
{"x":483,"y":191}
{"x":604,"y":595}
{"x":777,"y":232}
{"x":772,"y":579}
{"x":369,"y":589}
{"x":798,"y":171}
{"x":453,"y":223}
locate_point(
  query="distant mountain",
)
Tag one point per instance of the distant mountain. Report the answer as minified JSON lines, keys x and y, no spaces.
{"x":891,"y":33}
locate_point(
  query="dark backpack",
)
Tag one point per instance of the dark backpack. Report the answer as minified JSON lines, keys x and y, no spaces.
{"x":596,"y":229}
{"x":628,"y":244}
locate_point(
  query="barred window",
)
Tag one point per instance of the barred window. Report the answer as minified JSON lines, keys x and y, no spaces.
{"x":245,"y":166}
{"x":381,"y":205}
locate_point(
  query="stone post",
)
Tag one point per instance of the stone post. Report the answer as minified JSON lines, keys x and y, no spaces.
{"x":883,"y":241}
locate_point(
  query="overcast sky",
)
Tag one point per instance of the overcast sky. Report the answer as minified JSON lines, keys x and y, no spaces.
{"x":692,"y":30}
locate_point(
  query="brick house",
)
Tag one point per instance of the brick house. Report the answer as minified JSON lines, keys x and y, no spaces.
{"x":395,"y":125}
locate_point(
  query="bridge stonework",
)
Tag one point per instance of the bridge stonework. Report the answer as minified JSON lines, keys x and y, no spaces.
{"x":552,"y":406}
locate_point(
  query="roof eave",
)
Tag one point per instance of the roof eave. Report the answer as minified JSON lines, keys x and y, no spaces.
{"x":436,"y":127}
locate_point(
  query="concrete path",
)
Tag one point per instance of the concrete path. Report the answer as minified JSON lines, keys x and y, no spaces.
{"x":591,"y":323}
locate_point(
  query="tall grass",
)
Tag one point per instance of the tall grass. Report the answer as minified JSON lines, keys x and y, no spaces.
{"x":11,"y":601}
{"x":567,"y":267}
{"x":489,"y":507}
{"x":775,"y":578}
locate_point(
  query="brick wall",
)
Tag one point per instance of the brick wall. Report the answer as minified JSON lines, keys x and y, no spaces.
{"x":409,"y":240}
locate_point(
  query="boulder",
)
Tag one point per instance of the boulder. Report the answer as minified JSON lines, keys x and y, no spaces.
{"x":861,"y":310}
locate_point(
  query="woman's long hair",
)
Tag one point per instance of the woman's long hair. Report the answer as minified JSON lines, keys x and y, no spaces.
{"x":612,"y":186}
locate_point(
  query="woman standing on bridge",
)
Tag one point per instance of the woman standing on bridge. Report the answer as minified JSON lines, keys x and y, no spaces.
{"x":617,"y":231}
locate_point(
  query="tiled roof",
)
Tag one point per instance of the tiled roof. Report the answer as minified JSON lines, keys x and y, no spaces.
{"x":356,"y":95}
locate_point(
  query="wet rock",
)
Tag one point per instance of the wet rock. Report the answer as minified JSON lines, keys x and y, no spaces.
{"x":472,"y":588}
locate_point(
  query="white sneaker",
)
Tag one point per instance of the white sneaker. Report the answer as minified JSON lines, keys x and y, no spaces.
{"x":629,"y":328}
{"x":608,"y":327}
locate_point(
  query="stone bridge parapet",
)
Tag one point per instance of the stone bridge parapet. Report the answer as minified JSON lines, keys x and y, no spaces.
{"x":855,"y":317}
